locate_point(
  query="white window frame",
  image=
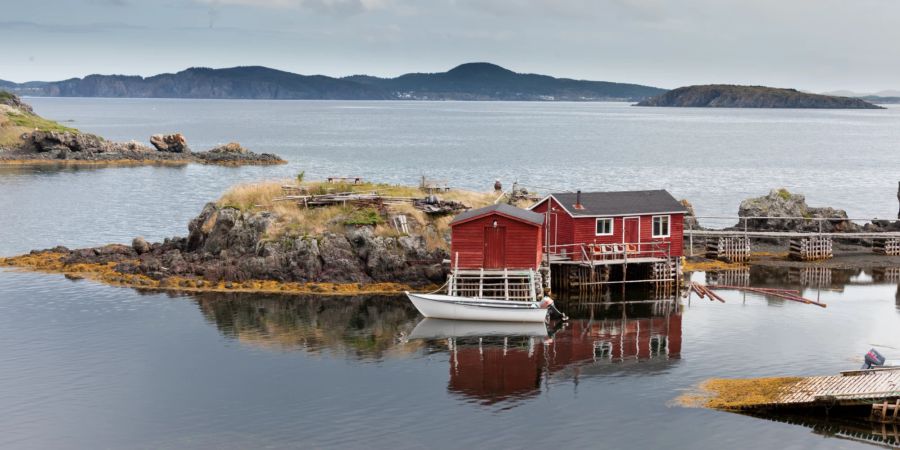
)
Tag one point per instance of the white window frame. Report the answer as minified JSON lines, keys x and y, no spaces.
{"x":612,"y":226}
{"x":668,"y":226}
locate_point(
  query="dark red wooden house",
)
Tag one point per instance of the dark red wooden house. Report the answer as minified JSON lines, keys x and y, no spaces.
{"x":499,"y":236}
{"x":613,"y":225}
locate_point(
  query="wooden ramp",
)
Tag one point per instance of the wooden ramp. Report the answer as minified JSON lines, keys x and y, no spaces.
{"x":859,"y":387}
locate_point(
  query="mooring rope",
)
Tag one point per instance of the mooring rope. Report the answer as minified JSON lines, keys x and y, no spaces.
{"x":442,"y":287}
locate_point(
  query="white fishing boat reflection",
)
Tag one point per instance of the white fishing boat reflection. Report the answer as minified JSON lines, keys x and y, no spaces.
{"x":446,"y":328}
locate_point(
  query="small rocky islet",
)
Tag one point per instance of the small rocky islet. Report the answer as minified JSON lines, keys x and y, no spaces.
{"x":27,"y":138}
{"x":252,"y":240}
{"x":735,"y":96}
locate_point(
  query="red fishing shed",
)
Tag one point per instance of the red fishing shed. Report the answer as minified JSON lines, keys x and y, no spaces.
{"x":613,"y":225}
{"x":499,"y":236}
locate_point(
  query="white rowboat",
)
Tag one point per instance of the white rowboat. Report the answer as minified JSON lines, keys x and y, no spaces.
{"x":463,"y":308}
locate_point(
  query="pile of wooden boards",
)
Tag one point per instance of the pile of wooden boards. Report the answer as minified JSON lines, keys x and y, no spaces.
{"x":436,"y":207}
{"x":786,"y":294}
{"x":430,"y":205}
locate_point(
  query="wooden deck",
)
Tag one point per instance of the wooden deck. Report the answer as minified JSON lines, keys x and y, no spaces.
{"x":859,"y":387}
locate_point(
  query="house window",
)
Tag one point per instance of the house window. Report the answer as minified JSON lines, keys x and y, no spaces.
{"x":660,"y":226}
{"x":604,"y":227}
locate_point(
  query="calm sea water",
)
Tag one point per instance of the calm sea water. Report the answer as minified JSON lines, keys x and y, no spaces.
{"x":713,"y":157}
{"x":84,"y":365}
{"x":87,"y":366}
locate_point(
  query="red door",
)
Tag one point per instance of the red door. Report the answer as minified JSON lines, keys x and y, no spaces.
{"x":632,"y":231}
{"x":494,"y":247}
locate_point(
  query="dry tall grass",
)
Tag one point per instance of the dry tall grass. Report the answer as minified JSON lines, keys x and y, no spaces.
{"x":296,"y":220}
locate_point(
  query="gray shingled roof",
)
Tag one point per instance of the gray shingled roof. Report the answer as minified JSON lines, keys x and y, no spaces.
{"x":621,"y":203}
{"x":502,"y":208}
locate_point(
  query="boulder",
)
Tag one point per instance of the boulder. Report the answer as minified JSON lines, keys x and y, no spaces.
{"x":48,"y":141}
{"x":797,"y":214}
{"x":172,"y":143}
{"x":231,"y":147}
{"x":140,"y":245}
{"x":690,"y":219}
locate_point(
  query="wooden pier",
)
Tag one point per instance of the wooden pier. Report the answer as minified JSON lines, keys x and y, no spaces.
{"x":852,"y":388}
{"x":733,"y":244}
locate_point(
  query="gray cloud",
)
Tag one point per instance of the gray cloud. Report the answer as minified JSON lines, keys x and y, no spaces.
{"x":846,"y":45}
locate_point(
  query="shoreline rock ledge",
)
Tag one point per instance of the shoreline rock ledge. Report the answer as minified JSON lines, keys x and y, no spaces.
{"x":26,"y":138}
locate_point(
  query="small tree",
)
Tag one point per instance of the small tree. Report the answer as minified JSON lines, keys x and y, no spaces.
{"x":300,"y":176}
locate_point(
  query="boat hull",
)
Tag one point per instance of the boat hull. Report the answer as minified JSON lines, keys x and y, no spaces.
{"x":457,"y":308}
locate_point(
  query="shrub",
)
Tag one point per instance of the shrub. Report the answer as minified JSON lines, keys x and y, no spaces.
{"x":364,"y":216}
{"x":784,"y":194}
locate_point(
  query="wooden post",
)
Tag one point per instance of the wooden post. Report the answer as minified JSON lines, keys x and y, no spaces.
{"x":691,"y":235}
{"x":481,"y":283}
{"x":506,"y":283}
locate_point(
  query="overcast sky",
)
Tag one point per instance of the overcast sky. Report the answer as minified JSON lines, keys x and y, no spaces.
{"x":818,"y":45}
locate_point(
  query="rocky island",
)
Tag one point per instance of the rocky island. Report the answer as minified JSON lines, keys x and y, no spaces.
{"x":732,"y":96}
{"x":27,"y":138}
{"x":257,"y":239}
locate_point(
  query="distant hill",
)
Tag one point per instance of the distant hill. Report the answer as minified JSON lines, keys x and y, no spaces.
{"x":877,"y":99}
{"x":730,"y":96}
{"x":474,"y":81}
{"x":236,"y":82}
{"x":485,"y":81}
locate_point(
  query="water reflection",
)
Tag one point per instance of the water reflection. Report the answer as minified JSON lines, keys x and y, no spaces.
{"x":872,"y":433}
{"x":363,"y":327}
{"x":488,"y":362}
{"x":493,"y":363}
{"x":822,"y":277}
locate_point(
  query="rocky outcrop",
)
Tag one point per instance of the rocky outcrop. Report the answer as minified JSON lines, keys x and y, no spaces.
{"x":54,"y":145}
{"x":14,"y":102}
{"x":234,"y":154}
{"x":781,"y":210}
{"x":690,"y":218}
{"x":731,"y":96}
{"x":44,"y":141}
{"x":231,"y":246}
{"x":174,"y":143}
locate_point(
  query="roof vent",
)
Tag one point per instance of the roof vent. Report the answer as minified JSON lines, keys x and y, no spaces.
{"x":578,"y":204}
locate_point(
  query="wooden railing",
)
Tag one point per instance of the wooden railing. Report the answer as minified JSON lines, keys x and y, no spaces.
{"x":596,"y":252}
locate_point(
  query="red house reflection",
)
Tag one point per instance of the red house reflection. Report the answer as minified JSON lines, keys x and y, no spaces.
{"x":495,"y":369}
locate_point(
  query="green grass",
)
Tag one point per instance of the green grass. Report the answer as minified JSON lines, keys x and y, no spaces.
{"x":13,"y":125}
{"x":6,"y":95}
{"x":366,"y":216}
{"x":784,"y":194}
{"x":33,"y":122}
